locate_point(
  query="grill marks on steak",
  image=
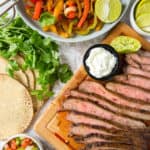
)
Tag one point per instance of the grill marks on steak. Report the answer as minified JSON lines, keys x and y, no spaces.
{"x":136,"y":64}
{"x":133,"y":80}
{"x":119,"y":109}
{"x":84,"y":118}
{"x":96,"y":137}
{"x":129,"y":91}
{"x":102,"y":145}
{"x":85,"y":129}
{"x":139,"y":59}
{"x":98,"y":89}
{"x":94,"y":109}
{"x":136,"y":71}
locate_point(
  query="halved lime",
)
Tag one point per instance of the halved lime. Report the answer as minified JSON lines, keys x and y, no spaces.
{"x":108,"y":11}
{"x":125,"y":44}
{"x":145,"y":8}
{"x":143,"y":20}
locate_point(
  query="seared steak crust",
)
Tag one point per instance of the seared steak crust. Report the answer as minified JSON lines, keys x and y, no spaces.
{"x":136,"y":71}
{"x":117,"y":108}
{"x":129,"y":91}
{"x":134,"y":80}
{"x":95,"y":88}
{"x":95,"y":109}
{"x":83,"y":118}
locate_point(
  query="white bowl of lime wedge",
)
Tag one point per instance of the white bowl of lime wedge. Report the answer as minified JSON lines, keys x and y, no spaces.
{"x":139,"y":17}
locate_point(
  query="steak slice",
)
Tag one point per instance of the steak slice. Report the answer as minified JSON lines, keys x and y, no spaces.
{"x":91,"y":138}
{"x":94,"y":109}
{"x":144,"y":53}
{"x":132,"y":62}
{"x":134,"y":80}
{"x":83,"y":118}
{"x":85,"y":129}
{"x":92,"y":87}
{"x":136,"y":71}
{"x":135,"y":64}
{"x":129,"y":91}
{"x":120,"y":109}
{"x":139,"y":59}
{"x":104,"y":145}
{"x":145,"y":67}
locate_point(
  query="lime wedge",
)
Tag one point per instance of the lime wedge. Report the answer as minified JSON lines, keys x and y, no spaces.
{"x":143,"y":9}
{"x":108,"y":11}
{"x":143,"y":20}
{"x":125,"y":44}
{"x":146,"y":29}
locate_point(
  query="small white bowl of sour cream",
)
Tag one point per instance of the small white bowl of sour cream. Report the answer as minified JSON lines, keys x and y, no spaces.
{"x":101,"y":62}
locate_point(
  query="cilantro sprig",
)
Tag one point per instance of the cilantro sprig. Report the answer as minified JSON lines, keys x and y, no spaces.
{"x":39,"y":53}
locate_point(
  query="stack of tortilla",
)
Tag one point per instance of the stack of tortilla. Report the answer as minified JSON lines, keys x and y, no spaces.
{"x":17,"y":106}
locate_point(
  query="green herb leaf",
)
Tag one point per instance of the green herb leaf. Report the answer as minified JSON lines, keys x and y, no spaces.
{"x":39,"y":53}
{"x":47,"y":19}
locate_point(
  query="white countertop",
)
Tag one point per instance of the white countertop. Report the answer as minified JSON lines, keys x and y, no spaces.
{"x":72,"y":55}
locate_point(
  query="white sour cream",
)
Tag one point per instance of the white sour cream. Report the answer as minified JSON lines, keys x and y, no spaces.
{"x":100,"y":62}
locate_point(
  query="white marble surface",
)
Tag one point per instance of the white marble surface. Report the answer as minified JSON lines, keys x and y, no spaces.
{"x":71,"y":54}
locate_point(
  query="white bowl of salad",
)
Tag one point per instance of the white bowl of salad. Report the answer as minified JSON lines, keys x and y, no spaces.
{"x":22,"y":142}
{"x":72,"y":20}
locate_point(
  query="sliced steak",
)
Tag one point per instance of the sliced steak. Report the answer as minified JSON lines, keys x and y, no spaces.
{"x":134,"y":80}
{"x":129,"y":91}
{"x":131,"y":62}
{"x":83,"y":130}
{"x":139,"y":59}
{"x":94,"y":109}
{"x":83,"y":118}
{"x":145,"y":67}
{"x":136,"y":71}
{"x":144,"y":53}
{"x":104,"y":145}
{"x":98,"y":89}
{"x":120,"y":109}
{"x":135,"y":64}
{"x":95,"y":137}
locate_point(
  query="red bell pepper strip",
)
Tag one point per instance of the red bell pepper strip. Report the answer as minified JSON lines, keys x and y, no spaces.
{"x":37,"y":9}
{"x":33,"y":1}
{"x":85,"y":13}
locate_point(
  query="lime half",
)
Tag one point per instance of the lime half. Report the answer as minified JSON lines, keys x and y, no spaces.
{"x":143,"y":9}
{"x":143,"y":20}
{"x":126,"y":44}
{"x":108,"y":11}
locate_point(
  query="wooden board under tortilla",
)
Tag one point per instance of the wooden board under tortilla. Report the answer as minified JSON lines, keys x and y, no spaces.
{"x":53,"y":126}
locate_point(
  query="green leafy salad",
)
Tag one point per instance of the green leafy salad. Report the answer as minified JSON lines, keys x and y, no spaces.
{"x":39,"y":53}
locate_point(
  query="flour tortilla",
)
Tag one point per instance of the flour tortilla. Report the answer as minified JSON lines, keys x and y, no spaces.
{"x":28,"y":72}
{"x":16,"y":109}
{"x":18,"y":75}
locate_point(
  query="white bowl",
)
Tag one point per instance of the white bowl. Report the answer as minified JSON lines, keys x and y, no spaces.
{"x":133,"y":22}
{"x":34,"y":25}
{"x":24,"y":136}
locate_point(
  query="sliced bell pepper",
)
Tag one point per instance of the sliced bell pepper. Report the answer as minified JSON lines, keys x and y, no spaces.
{"x":58,"y":8}
{"x":33,"y":1}
{"x":85,"y":13}
{"x":37,"y":9}
{"x":79,"y":8}
{"x":72,"y":23}
{"x":91,"y":27}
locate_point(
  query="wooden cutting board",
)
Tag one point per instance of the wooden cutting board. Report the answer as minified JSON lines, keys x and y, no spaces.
{"x":53,"y":126}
